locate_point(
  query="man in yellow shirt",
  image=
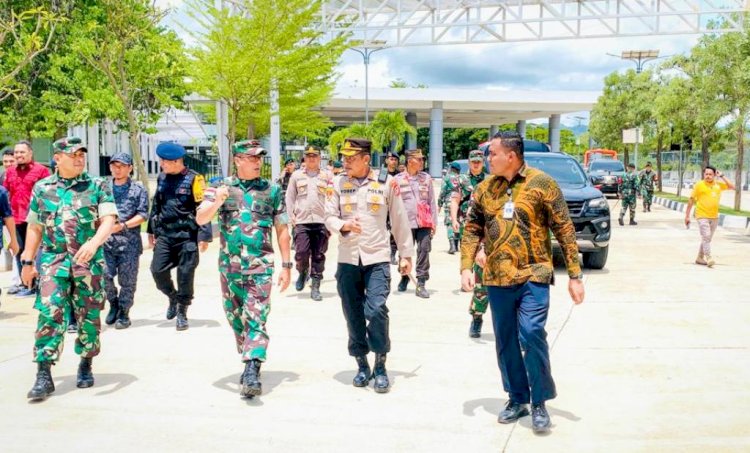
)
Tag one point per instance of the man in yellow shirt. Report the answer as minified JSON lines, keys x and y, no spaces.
{"x":706,"y":196}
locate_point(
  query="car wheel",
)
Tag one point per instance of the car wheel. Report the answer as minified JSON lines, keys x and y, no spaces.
{"x":596,"y":260}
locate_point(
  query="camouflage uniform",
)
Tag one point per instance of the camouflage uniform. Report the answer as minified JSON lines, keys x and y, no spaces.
{"x":466,"y":184}
{"x":647,"y":179}
{"x":628,"y":190}
{"x":246,"y":220}
{"x":450,"y":181}
{"x":68,"y":210}
{"x":123,"y":250}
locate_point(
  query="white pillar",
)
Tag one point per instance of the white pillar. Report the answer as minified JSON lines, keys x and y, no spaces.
{"x":436,"y":140}
{"x":222,"y":139}
{"x":554,"y":132}
{"x":411,"y":140}
{"x":275,"y":135}
{"x":521,"y":128}
{"x":493,"y":131}
{"x":92,"y":145}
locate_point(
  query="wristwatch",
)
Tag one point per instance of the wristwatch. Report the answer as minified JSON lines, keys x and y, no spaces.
{"x":287,"y":265}
{"x":123,"y":225}
{"x":27,"y":262}
{"x":578,"y":276}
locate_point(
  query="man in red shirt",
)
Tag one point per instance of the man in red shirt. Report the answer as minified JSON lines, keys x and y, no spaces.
{"x":19,"y":181}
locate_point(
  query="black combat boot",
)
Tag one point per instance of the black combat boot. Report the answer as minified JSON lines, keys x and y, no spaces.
{"x":452,"y":248}
{"x":114,"y":307}
{"x":172,"y":309}
{"x":621,"y":220}
{"x":43,"y":386}
{"x":85,"y":377}
{"x":421,"y":290}
{"x":458,"y":245}
{"x":632,"y":222}
{"x":123,"y":319}
{"x":251,"y":385}
{"x":403,"y":283}
{"x":475,"y":330}
{"x":182,"y":321}
{"x":364,"y":374}
{"x":301,"y":280}
{"x":315,"y":291}
{"x":382,"y":385}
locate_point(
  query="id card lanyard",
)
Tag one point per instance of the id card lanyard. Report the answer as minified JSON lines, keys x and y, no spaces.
{"x":509,"y":206}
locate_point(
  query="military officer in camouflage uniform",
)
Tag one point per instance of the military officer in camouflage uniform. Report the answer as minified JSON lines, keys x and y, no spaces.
{"x":173,"y":232}
{"x":415,"y":186}
{"x":646,"y":180}
{"x":450,"y":181}
{"x":357,"y":211}
{"x":459,"y":208}
{"x":628,"y":191}
{"x":123,"y":249}
{"x":71,"y":214}
{"x":305,"y":205}
{"x":249,"y":209}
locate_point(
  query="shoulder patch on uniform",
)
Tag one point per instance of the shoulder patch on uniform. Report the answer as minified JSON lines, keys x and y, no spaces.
{"x":199,"y":187}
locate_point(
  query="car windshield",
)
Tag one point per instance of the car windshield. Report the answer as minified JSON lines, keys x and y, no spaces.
{"x":565,"y":171}
{"x":606,"y":165}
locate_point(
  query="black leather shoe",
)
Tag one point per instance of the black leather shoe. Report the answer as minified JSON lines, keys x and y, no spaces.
{"x":620,"y":221}
{"x":182,"y":321}
{"x":421,"y":290}
{"x":403,"y":283}
{"x":315,"y":289}
{"x":172,"y":309}
{"x":452,"y":248}
{"x":364,"y":374}
{"x":475,"y":329}
{"x":300,"y":285}
{"x":251,"y":385}
{"x":123,"y":319}
{"x":114,"y":307}
{"x":85,"y":377}
{"x":512,"y":412}
{"x":540,"y":422}
{"x":43,"y":386}
{"x":382,"y":385}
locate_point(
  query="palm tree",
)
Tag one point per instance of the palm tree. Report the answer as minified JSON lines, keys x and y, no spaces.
{"x":388,"y":130}
{"x":338,"y":137}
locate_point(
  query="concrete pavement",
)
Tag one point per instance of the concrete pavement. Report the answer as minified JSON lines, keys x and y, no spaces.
{"x":656,"y":359}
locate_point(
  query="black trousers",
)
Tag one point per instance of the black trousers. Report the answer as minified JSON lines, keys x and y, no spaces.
{"x":423,"y":239}
{"x":364,"y":291}
{"x":182,"y":254}
{"x":311,"y":241}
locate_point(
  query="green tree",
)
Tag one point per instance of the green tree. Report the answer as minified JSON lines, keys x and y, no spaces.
{"x":388,"y":130}
{"x":244,"y":52}
{"x":337,"y":138}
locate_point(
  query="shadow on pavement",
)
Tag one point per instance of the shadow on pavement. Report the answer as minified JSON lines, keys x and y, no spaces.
{"x":495,"y":405}
{"x":305,"y":295}
{"x":7,"y":315}
{"x":67,"y":384}
{"x":345,"y":377}
{"x":163,"y":323}
{"x":269,"y":379}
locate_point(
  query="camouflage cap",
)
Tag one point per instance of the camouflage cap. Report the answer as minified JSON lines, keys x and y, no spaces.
{"x":354,"y":146}
{"x":312,"y":149}
{"x":68,"y":145}
{"x":414,"y":154}
{"x":249,"y":148}
{"x":476,"y":156}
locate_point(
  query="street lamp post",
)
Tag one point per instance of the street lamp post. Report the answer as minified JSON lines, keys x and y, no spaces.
{"x":368,"y":48}
{"x":639,"y":57}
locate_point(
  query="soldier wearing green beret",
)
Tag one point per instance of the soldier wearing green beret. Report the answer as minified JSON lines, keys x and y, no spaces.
{"x":249,"y":209}
{"x":71,"y":214}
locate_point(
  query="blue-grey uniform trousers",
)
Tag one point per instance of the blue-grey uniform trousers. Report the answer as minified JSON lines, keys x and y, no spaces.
{"x":124,"y":266}
{"x":519,"y":313}
{"x":364,"y":291}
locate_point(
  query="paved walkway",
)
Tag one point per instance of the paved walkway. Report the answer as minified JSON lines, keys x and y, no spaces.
{"x":656,"y":359}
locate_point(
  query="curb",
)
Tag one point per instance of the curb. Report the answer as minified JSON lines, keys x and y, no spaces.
{"x":726,"y":221}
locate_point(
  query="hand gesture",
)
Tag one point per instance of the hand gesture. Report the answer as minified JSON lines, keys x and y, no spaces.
{"x":575,"y":288}
{"x":467,"y":280}
{"x":284,"y":279}
{"x":85,"y":253}
{"x":28,"y":274}
{"x":404,"y":266}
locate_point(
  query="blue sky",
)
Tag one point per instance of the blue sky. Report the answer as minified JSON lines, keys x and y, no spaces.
{"x":553,"y":65}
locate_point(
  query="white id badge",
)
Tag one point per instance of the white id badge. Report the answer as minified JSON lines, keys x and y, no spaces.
{"x":508,"y":210}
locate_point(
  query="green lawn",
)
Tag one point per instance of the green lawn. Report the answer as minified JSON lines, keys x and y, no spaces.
{"x":722,"y":209}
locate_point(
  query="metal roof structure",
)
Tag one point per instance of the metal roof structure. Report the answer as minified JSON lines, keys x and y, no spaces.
{"x":436,"y":22}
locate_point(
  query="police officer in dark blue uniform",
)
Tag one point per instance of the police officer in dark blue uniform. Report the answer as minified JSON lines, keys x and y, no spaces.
{"x":123,"y":249}
{"x":172,"y":229}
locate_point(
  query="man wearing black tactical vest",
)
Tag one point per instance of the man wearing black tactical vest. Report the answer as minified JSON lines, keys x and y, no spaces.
{"x":172,"y":229}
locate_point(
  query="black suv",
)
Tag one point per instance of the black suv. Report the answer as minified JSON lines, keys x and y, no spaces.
{"x":588,"y":207}
{"x":606,"y":174}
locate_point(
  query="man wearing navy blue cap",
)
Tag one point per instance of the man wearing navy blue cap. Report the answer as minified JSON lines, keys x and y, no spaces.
{"x":173,"y":231}
{"x":123,"y":249}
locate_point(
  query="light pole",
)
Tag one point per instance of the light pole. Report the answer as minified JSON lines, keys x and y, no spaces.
{"x":368,"y":47}
{"x":639,"y":57}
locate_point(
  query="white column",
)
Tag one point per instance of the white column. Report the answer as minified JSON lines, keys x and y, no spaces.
{"x":275,"y":135}
{"x":411,"y":140}
{"x":436,"y":140}
{"x":92,"y":145}
{"x":554,"y":132}
{"x":521,"y":128}
{"x":222,"y":139}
